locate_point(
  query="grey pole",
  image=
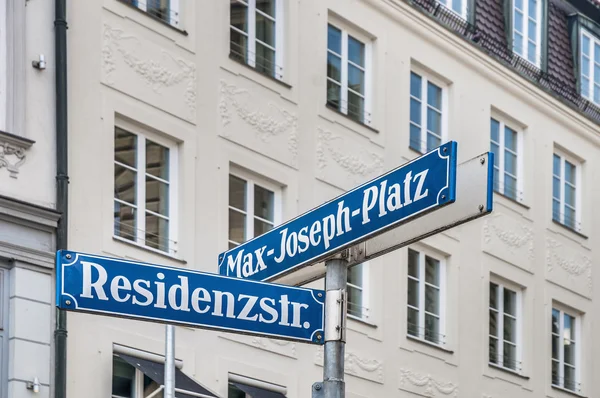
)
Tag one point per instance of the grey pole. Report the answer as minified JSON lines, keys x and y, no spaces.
{"x":335,"y":328}
{"x":169,"y":362}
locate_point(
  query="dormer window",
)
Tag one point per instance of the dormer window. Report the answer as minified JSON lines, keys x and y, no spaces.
{"x":590,"y":66}
{"x":527,"y":30}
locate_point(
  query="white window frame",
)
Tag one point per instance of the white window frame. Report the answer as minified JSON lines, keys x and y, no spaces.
{"x":525,"y":33}
{"x":365,"y":292}
{"x":442,"y":317}
{"x":425,"y":79}
{"x":367,"y":97}
{"x":251,"y":35}
{"x":561,"y":353}
{"x":578,"y":186}
{"x":252,"y":180}
{"x":501,"y":285}
{"x":593,"y":42}
{"x":501,"y":158}
{"x":463,"y":7}
{"x":173,"y":10}
{"x":140,"y":206}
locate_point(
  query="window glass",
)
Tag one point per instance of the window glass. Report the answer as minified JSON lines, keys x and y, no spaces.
{"x":503,"y":327}
{"x":123,"y":379}
{"x":426,"y":114}
{"x":564,"y":351}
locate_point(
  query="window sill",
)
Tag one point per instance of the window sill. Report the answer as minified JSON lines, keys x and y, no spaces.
{"x":523,"y":205}
{"x":570,"y":229}
{"x":362,"y":320}
{"x":237,"y":61}
{"x":333,"y":109}
{"x":162,"y":254}
{"x":432,"y":345}
{"x":507,"y":370}
{"x":157,"y":19}
{"x":573,"y":393}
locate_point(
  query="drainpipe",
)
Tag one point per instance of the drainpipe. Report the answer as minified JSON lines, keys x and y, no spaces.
{"x":62,"y":182}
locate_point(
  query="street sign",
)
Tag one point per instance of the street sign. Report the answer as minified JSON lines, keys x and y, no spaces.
{"x":114,"y":287}
{"x":474,"y":193}
{"x":409,"y":191}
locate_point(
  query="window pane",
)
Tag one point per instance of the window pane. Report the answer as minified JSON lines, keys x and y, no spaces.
{"x":124,"y":221}
{"x":432,"y":300}
{"x":518,"y":43}
{"x":510,"y":356}
{"x":356,"y":51}
{"x":157,"y":160}
{"x":532,"y":52}
{"x":518,"y":21}
{"x":510,"y":162}
{"x":355,"y":306}
{"x":434,"y":121}
{"x":532,"y":30}
{"x":555,"y":373}
{"x":494,"y":148}
{"x":585,"y":66}
{"x":585,"y":44}
{"x":532,"y":9}
{"x":434,"y":96}
{"x":585,"y":87}
{"x":356,"y":107}
{"x":510,"y":186}
{"x":597,"y":53}
{"x":356,"y":79}
{"x":125,"y":184}
{"x":568,"y":327}
{"x":413,"y":292}
{"x":569,"y":195}
{"x":237,"y":192}
{"x":556,"y":188}
{"x":334,"y":39}
{"x":569,"y":172}
{"x":238,"y":46}
{"x":432,"y":141}
{"x":157,"y":232}
{"x":432,"y":271}
{"x":157,"y":196}
{"x":457,"y":6}
{"x":556,"y":165}
{"x":432,"y":329}
{"x":519,"y":4}
{"x":555,"y":348}
{"x":237,"y":226}
{"x":495,"y":130}
{"x":555,"y":324}
{"x":159,"y":8}
{"x":493,"y":323}
{"x":413,"y":263}
{"x":510,"y":139}
{"x":510,"y":302}
{"x":333,"y":94}
{"x":355,"y":275}
{"x":264,"y":203}
{"x":415,"y":137}
{"x":496,"y":178}
{"x":569,"y":354}
{"x":569,"y":215}
{"x":493,"y":295}
{"x":266,"y":6}
{"x":415,"y":111}
{"x":597,"y":92}
{"x":413,"y":322}
{"x":493,"y":350}
{"x":123,"y":376}
{"x":415,"y":85}
{"x":570,"y":381}
{"x":265,"y":29}
{"x":265,"y":60}
{"x":510,"y":329}
{"x":125,"y":147}
{"x":261,"y":227}
{"x":150,"y":386}
{"x":239,"y":15}
{"x":334,"y":67}
{"x":555,"y":210}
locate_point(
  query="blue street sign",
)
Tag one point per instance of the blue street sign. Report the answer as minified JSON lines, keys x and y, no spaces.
{"x":411,"y":190}
{"x":113,"y":287}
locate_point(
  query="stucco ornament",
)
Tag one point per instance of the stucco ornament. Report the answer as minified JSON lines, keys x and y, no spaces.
{"x":12,"y":156}
{"x":266,"y":344}
{"x":513,"y":235}
{"x":355,"y":365}
{"x":575,"y":265}
{"x":432,"y":388}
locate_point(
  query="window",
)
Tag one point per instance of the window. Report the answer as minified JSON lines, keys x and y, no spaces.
{"x":256,"y":35}
{"x":527,"y":29}
{"x":145,"y":191}
{"x":426,"y":276}
{"x":505,"y":320}
{"x":347,"y":75}
{"x":590,"y":66}
{"x":565,"y":192}
{"x":458,"y":6}
{"x":254,"y":207}
{"x":565,"y":350}
{"x":129,"y":382}
{"x":358,"y":298}
{"x":165,"y":10}
{"x":427,"y":123}
{"x":507,"y":172}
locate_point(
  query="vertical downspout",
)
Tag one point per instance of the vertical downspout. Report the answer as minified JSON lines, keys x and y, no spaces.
{"x":62,"y":182}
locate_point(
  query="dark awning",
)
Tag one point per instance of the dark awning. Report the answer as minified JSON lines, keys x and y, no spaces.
{"x":256,"y":392}
{"x":156,"y":371}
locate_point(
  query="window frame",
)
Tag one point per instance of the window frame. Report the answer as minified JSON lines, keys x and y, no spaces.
{"x":138,"y":381}
{"x":174,"y":10}
{"x":565,"y":157}
{"x":252,"y":180}
{"x":251,"y":36}
{"x":442,"y":295}
{"x":594,"y":40}
{"x":525,"y":33}
{"x":365,"y":292}
{"x":464,"y":9}
{"x":425,"y":79}
{"x":173,"y":183}
{"x":501,"y":286}
{"x":519,"y":194}
{"x":344,"y":60}
{"x":577,"y":318}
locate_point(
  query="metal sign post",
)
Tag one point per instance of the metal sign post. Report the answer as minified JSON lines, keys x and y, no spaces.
{"x":169,"y":362}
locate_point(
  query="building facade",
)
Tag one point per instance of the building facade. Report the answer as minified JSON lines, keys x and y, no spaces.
{"x":28,"y":218}
{"x":197,"y":125}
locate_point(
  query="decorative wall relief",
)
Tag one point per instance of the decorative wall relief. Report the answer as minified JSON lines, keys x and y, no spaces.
{"x":509,"y":239}
{"x":355,"y":365}
{"x":346,"y":161}
{"x":13,"y":152}
{"x":275,"y":128}
{"x":149,"y":73}
{"x":569,"y":266}
{"x":426,"y":385}
{"x":281,"y":347}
